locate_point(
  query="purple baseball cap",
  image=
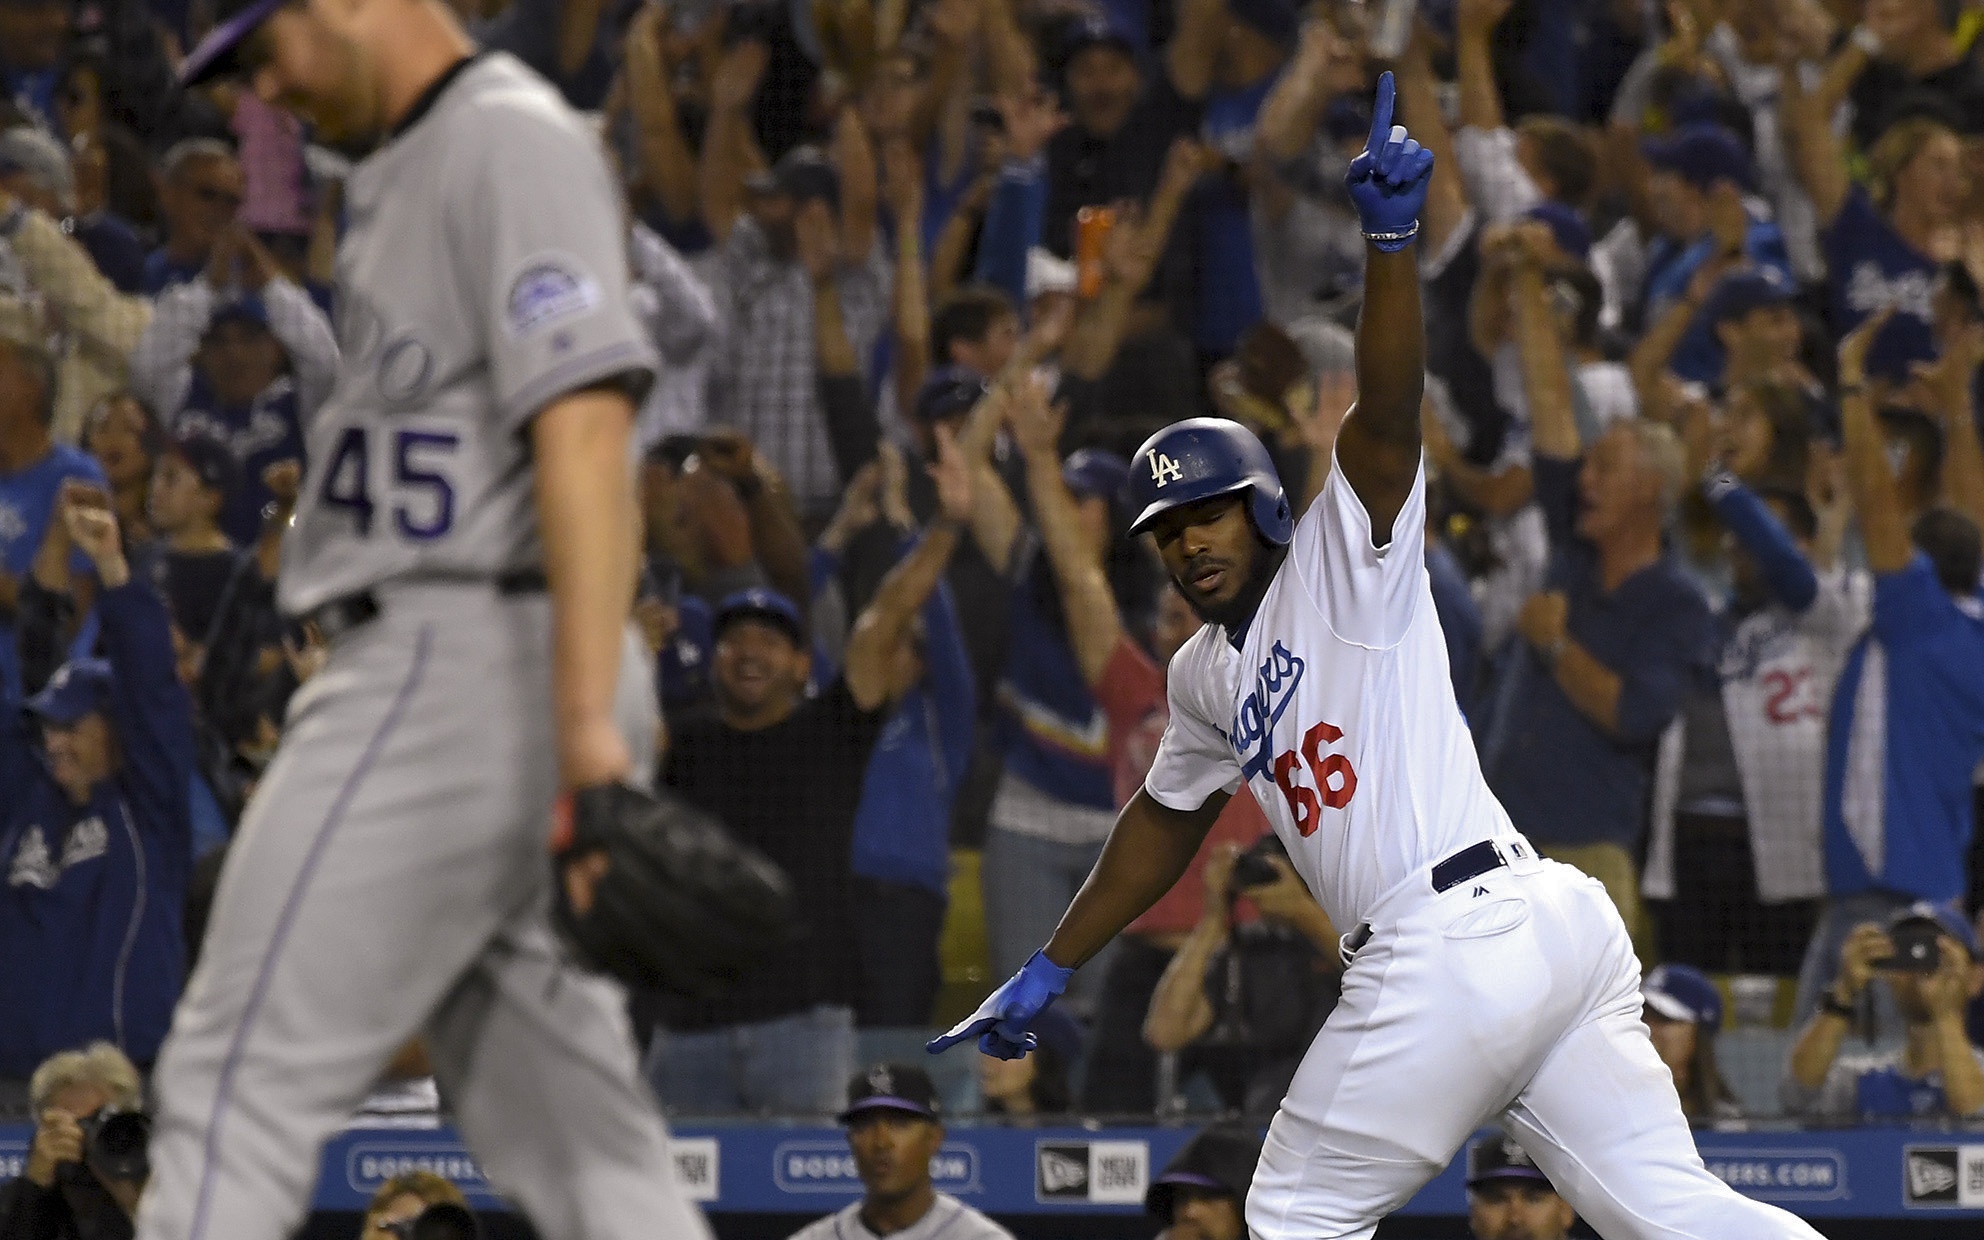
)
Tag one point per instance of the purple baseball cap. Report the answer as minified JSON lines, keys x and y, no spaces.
{"x":1220,"y":1160}
{"x":1496,"y":1157}
{"x":217,"y":55}
{"x":892,"y":1087}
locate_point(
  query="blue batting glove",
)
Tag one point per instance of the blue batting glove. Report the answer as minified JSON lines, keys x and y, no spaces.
{"x":1388,"y":180}
{"x":1003,"y":1017}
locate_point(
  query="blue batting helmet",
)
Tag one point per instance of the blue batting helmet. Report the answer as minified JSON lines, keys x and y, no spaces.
{"x":1200,"y":458}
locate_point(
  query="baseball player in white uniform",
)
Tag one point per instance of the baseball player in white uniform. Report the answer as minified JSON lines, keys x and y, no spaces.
{"x":1483,"y":982}
{"x":466,"y":540}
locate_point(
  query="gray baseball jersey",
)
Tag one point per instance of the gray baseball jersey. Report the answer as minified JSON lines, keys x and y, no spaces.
{"x":482,"y":274}
{"x":948,"y":1218}
{"x":389,"y":877}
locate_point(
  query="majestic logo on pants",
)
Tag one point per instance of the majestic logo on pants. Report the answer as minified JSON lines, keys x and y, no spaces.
{"x":1274,"y":688}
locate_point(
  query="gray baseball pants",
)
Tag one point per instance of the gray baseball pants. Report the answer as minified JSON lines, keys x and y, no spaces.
{"x":390,"y":880}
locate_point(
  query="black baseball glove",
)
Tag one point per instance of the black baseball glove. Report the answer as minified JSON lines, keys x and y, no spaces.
{"x":682,"y":906}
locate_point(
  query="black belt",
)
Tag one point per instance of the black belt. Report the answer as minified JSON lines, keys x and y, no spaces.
{"x":1470,"y":862}
{"x":342,"y":615}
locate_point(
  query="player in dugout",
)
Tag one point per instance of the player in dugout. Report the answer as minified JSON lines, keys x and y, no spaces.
{"x":1509,"y":1197}
{"x":895,"y":1126}
{"x":1202,"y":1191}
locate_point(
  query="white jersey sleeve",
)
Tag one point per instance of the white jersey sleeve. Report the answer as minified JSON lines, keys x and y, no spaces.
{"x":1195,"y":759}
{"x":1367,"y":593}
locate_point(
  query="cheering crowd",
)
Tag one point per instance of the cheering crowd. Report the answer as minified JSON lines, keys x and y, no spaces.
{"x":1702,"y":287}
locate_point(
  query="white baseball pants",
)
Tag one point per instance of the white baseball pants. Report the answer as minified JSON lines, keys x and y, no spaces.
{"x":389,"y":879}
{"x":1512,"y":996}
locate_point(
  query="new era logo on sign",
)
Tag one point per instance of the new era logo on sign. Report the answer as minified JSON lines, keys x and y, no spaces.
{"x":1118,"y":1172}
{"x":1930,"y":1177}
{"x":1164,"y":470}
{"x":1100,"y":1172}
{"x":1061,"y":1171}
{"x":697,"y":1170}
{"x":1943,"y":1177}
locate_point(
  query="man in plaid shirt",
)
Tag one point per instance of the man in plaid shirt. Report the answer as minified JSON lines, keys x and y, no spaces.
{"x":798,"y":249}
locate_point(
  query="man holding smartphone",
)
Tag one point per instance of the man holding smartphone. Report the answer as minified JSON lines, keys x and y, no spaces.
{"x":1928,"y":958}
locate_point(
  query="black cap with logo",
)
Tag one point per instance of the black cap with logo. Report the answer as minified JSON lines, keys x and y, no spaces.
{"x":892,"y":1087}
{"x":1221,"y":1159}
{"x":1497,"y":1157}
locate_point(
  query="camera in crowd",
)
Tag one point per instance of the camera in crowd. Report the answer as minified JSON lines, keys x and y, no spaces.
{"x":116,"y":1143}
{"x":1915,"y":948}
{"x":1255,"y":867}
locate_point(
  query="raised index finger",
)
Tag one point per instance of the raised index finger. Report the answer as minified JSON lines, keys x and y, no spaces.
{"x":1381,"y":113}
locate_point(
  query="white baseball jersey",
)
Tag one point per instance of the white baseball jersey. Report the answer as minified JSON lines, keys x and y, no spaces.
{"x":1338,"y":709}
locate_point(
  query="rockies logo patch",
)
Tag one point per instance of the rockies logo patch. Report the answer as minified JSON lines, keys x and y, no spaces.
{"x":549,"y":289}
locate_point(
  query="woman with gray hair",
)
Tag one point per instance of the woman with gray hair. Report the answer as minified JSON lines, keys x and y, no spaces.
{"x":85,"y":1167}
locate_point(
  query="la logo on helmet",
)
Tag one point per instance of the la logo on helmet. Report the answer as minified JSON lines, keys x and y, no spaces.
{"x":1164,"y":470}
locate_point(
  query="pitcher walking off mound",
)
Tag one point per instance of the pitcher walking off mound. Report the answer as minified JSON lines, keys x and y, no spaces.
{"x":1483,"y":982}
{"x":465,"y":541}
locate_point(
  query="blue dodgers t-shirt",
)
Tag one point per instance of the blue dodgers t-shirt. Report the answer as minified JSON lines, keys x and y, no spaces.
{"x":1563,"y":778}
{"x":27,"y":505}
{"x":1869,"y":266}
{"x":1054,"y":734}
{"x":266,"y":431}
{"x":27,"y":502}
{"x":1885,"y":1093}
{"x":903,"y":825}
{"x":1907,"y":730}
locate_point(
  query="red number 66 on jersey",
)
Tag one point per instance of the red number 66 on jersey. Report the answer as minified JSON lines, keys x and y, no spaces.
{"x":1302,"y":800}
